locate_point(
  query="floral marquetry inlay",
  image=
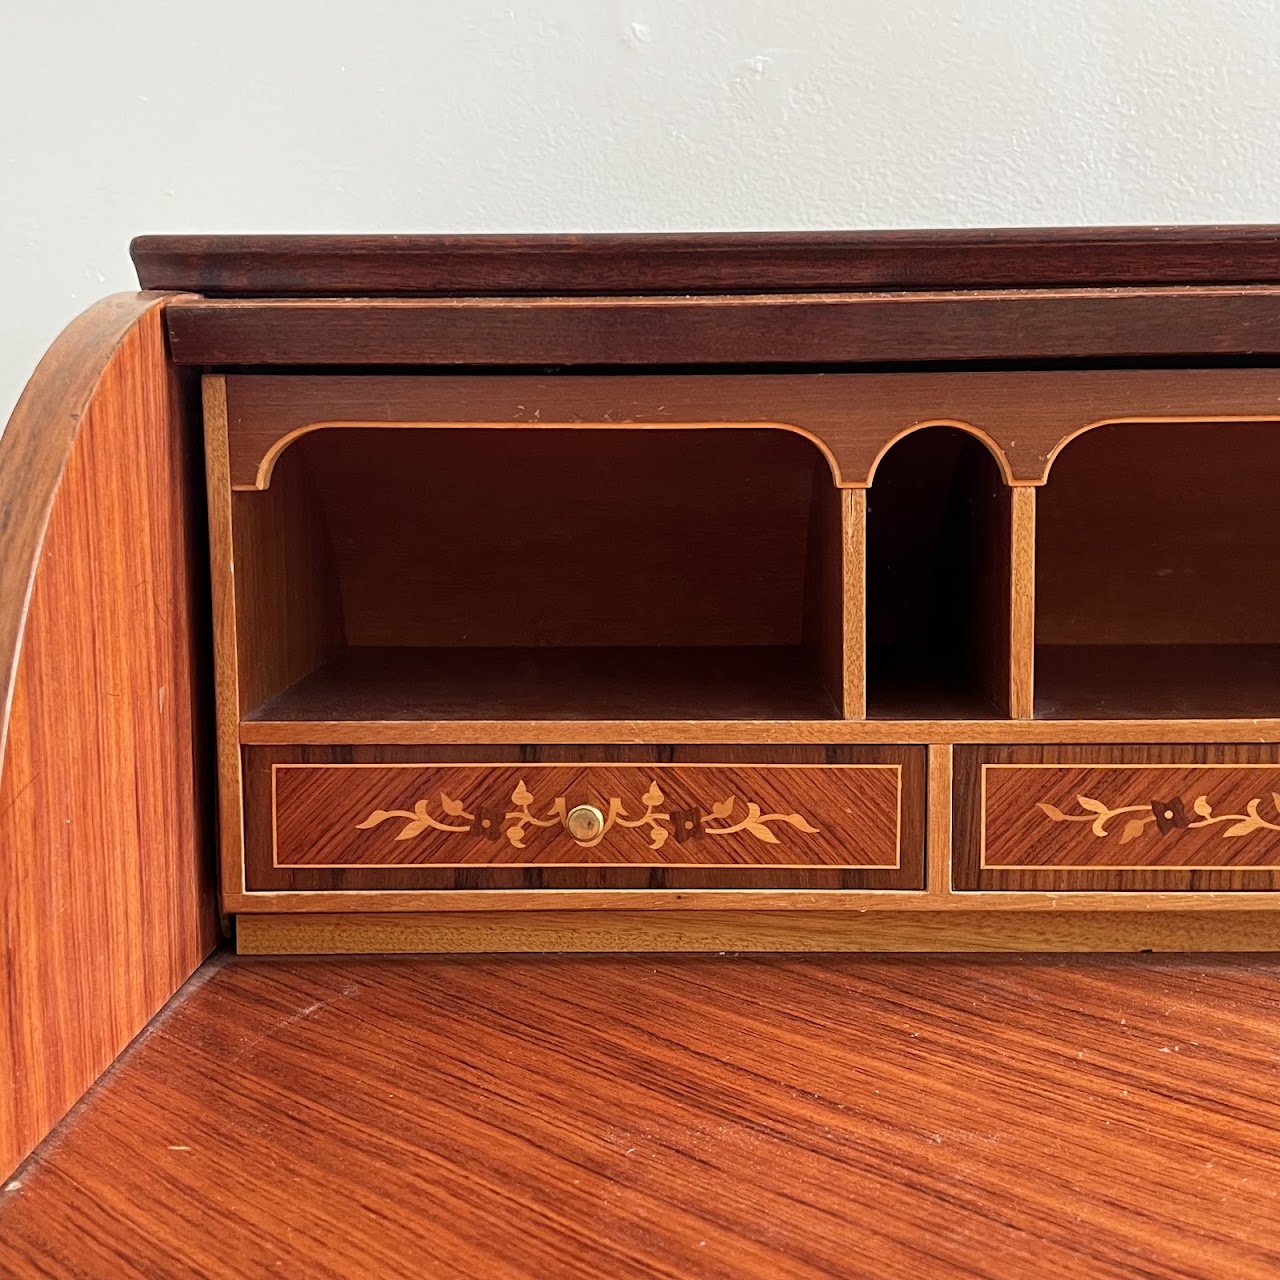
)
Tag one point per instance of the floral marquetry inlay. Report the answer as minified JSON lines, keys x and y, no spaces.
{"x":1165,"y":816}
{"x":659,"y":821}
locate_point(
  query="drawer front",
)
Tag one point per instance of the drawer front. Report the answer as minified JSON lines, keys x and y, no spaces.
{"x":1203,"y":818}
{"x":840,"y":818}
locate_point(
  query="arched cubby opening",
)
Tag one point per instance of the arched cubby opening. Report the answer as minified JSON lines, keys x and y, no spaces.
{"x":1158,"y":573}
{"x":938,"y":574}
{"x":547,"y":573}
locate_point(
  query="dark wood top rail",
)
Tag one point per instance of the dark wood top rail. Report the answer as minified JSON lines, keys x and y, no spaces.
{"x":739,"y":262}
{"x":1167,"y":325}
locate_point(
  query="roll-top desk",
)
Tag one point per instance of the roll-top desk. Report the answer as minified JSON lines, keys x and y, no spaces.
{"x":904,"y":591}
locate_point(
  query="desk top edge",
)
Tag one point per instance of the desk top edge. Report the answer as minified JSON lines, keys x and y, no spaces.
{"x":254,"y":266}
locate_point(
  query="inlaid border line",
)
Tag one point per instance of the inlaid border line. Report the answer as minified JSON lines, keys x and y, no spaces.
{"x":984,"y":865}
{"x":276,"y":864}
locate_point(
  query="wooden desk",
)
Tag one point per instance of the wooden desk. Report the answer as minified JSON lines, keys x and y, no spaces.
{"x":894,"y":592}
{"x":685,"y":1117}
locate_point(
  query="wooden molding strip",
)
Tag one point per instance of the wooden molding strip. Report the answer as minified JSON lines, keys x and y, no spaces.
{"x":1022,"y":603}
{"x":907,"y":732}
{"x":938,"y":831}
{"x":1025,"y":257}
{"x":938,"y":899}
{"x":761,"y":931}
{"x":1113,"y":324}
{"x":854,"y":597}
{"x":1023,"y":419}
{"x":226,"y":647}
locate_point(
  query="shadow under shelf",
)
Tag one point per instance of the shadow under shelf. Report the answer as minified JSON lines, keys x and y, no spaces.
{"x":925,"y":684}
{"x":1157,"y":682}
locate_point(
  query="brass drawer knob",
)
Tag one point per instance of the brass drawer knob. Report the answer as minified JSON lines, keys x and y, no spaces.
{"x":584,"y":822}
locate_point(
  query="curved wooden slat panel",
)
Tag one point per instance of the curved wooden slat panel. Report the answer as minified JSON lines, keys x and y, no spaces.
{"x":106,"y":904}
{"x":34,"y":450}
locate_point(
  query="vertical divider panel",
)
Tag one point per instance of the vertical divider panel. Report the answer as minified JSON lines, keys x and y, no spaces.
{"x":823,"y":623}
{"x":227,"y":707}
{"x":1022,"y":602}
{"x":937,"y":879}
{"x":854,"y":553}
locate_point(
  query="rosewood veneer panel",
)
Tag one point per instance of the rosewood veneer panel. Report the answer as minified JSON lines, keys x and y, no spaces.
{"x":1118,"y":818}
{"x":468,"y":818}
{"x":106,"y":901}
{"x":337,"y":815}
{"x":699,"y":1117}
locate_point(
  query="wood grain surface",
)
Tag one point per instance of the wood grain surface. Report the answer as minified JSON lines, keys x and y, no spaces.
{"x":853,"y":592}
{"x":414,"y":687}
{"x":652,"y":815}
{"x":35,"y":448}
{"x":986,"y":1118}
{"x":304,"y":809}
{"x":768,"y":927}
{"x":937,"y":898}
{"x":1138,"y":828}
{"x":347,"y":729}
{"x":1128,"y":683}
{"x":106,"y":901}
{"x":1024,"y":257}
{"x":1117,"y":817}
{"x":558,"y":537}
{"x":1161,"y":535}
{"x":1024,"y":417}
{"x":831,"y":588}
{"x":1022,"y":601}
{"x":1080,"y":324}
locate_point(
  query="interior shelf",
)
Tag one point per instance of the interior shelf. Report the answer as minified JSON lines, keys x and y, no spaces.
{"x":938,"y":553}
{"x":910,"y":688}
{"x":1158,"y":558}
{"x":1157,"y":681}
{"x":720,"y":683}
{"x":592,"y":574}
{"x":561,"y":574}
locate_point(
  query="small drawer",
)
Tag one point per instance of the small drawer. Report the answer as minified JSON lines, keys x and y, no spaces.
{"x":1204,"y":818}
{"x":570,"y":818}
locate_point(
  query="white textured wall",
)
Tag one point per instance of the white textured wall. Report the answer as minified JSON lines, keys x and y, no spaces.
{"x":475,"y":115}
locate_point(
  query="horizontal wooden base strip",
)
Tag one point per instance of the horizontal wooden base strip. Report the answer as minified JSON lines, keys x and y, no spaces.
{"x":751,"y":931}
{"x":820,"y":901}
{"x":453,"y":732}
